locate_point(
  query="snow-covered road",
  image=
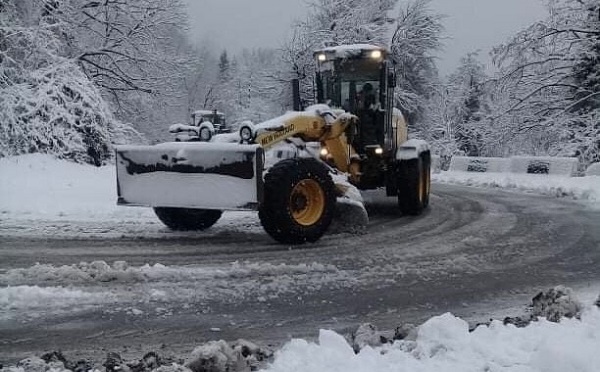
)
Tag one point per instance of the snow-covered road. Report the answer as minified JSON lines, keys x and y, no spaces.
{"x":130,"y":285}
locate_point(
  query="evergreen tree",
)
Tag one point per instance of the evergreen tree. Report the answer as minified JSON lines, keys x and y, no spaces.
{"x":466,"y":86}
{"x":224,"y":67}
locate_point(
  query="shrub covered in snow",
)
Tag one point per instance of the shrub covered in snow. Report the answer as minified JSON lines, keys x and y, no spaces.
{"x":57,"y":110}
{"x":219,"y":356}
{"x":48,"y":104}
{"x":555,"y":304}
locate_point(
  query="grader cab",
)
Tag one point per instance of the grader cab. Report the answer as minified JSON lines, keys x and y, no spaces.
{"x":363,"y":145}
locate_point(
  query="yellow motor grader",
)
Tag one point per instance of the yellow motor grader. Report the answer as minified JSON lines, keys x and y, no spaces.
{"x":293,"y":168}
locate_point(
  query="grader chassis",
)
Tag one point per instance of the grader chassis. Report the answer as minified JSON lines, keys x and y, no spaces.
{"x":363,"y":144}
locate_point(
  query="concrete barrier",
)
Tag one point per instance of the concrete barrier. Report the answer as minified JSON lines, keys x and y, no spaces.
{"x":593,"y":170}
{"x":436,"y":165}
{"x":478,"y":164}
{"x":555,"y":166}
{"x":558,"y":166}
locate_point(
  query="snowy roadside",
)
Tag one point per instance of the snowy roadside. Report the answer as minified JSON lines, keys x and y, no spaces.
{"x":43,"y":194}
{"x":561,"y":333}
{"x":579,"y":188}
{"x":45,"y":197}
{"x":45,"y":290}
{"x":40,"y":195}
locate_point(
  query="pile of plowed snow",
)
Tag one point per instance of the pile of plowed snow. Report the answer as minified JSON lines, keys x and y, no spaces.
{"x":444,"y":343}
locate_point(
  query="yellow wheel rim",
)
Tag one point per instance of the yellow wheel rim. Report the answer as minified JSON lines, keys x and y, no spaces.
{"x":307,"y":202}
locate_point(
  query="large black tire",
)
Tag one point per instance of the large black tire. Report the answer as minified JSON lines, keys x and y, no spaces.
{"x":299,"y":201}
{"x":184,"y":219}
{"x":412,"y":188}
{"x":426,"y":177}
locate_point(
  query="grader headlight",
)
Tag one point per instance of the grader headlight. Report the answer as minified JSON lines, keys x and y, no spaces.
{"x":376,"y":54}
{"x":324,"y":152}
{"x":321,"y":57}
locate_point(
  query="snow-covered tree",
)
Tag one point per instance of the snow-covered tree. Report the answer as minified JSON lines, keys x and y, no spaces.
{"x":551,"y":72}
{"x":122,"y":45}
{"x":47,"y":103}
{"x":414,"y":44}
{"x":252,"y":88}
{"x":134,"y":51}
{"x":200,"y":82}
{"x":297,"y":53}
{"x":334,"y":22}
{"x":467,"y":87}
{"x":452,"y":112}
{"x":352,"y":21}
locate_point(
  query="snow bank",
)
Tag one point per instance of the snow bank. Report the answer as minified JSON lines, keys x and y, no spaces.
{"x":27,"y":297}
{"x":120,"y":271}
{"x":581,"y":188}
{"x":39,"y":186}
{"x":444,"y":343}
{"x":42,"y":194}
{"x":24,"y":292}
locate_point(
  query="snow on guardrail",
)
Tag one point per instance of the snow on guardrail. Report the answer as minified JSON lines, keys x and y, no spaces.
{"x":593,"y":170}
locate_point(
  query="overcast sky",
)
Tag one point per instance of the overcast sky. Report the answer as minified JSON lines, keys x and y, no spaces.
{"x":470,"y":24}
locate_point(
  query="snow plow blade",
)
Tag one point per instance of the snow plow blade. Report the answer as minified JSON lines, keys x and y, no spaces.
{"x":223,"y":176}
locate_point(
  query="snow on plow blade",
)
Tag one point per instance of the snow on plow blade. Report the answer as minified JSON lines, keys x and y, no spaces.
{"x":224,"y":176}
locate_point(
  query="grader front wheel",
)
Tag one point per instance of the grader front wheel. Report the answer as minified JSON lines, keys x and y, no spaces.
{"x":299,"y":201}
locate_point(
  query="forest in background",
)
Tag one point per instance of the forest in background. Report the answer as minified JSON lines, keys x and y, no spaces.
{"x":77,"y":76}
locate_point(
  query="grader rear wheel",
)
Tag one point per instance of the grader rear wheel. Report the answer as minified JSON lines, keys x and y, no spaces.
{"x":426,"y":177}
{"x":299,"y":201}
{"x":413,"y":186}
